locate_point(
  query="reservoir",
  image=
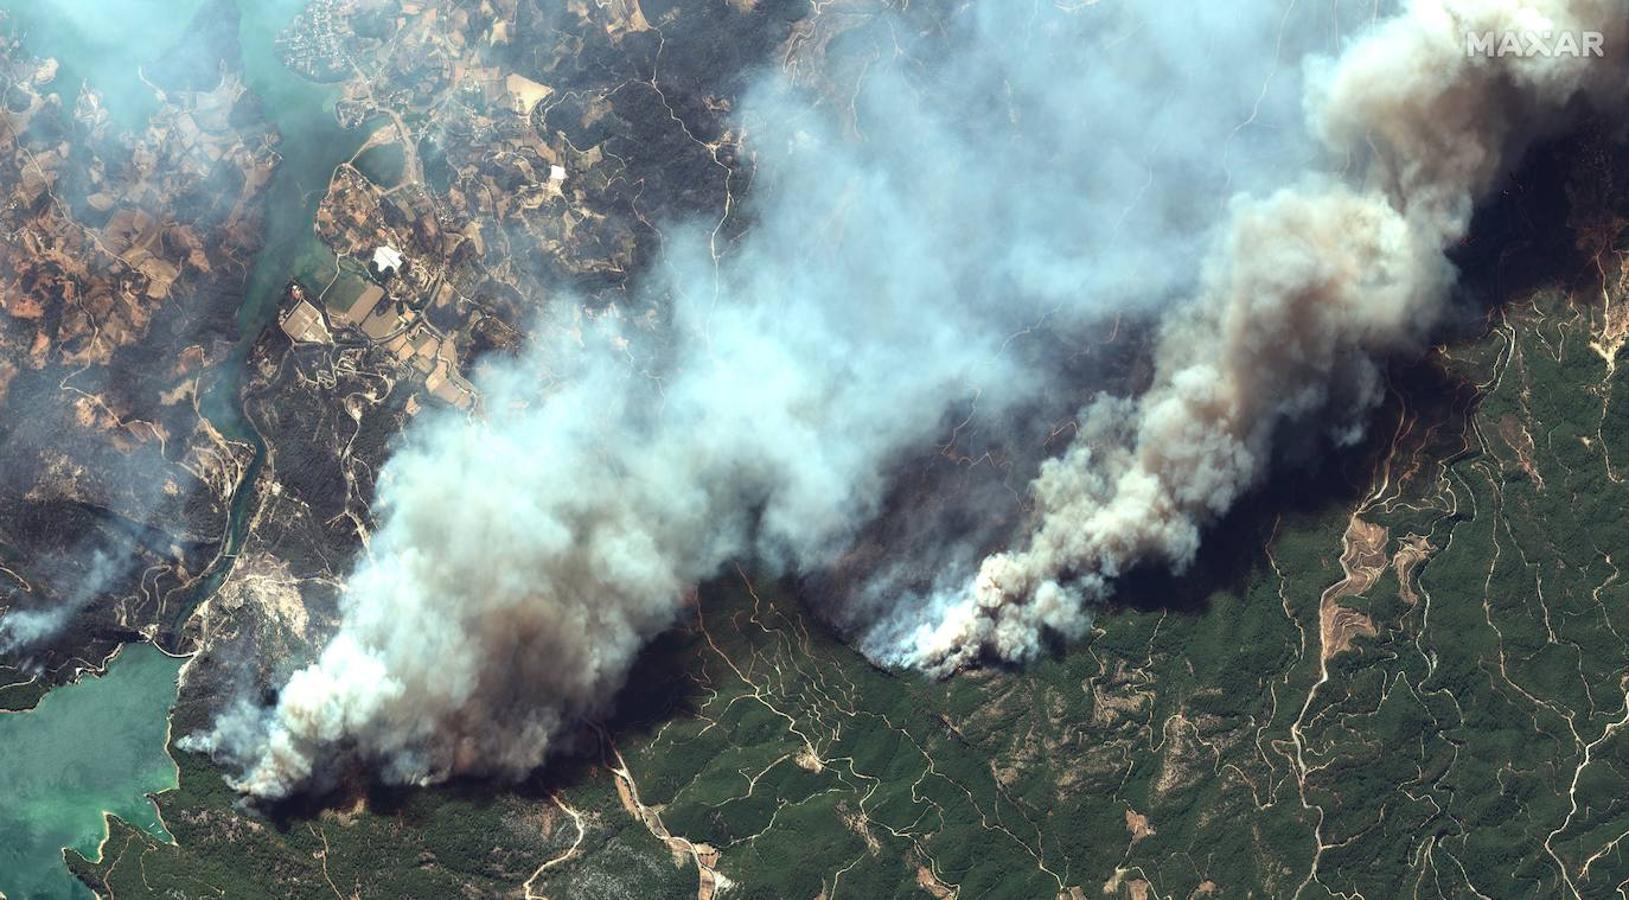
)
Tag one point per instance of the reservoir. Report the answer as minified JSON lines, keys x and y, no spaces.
{"x":312,"y":145}
{"x":90,"y":45}
{"x":100,"y":744}
{"x":93,"y":746}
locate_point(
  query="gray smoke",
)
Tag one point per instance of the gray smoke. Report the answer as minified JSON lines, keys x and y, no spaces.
{"x":1041,"y":172}
{"x":1310,"y":289}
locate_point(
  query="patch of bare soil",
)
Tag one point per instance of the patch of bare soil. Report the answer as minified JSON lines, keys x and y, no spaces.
{"x":1363,"y":559}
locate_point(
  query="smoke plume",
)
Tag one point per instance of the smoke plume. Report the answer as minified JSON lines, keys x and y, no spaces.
{"x":1017,"y":175}
{"x":21,"y":629}
{"x":1308,"y":291}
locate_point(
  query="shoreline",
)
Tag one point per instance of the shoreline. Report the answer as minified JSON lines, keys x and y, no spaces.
{"x":81,"y":845}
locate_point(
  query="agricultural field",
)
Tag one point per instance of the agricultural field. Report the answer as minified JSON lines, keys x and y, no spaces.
{"x":1411,"y":684}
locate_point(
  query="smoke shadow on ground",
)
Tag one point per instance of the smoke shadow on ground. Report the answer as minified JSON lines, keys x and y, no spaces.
{"x":659,"y":687}
{"x":1233,"y":547}
{"x":1540,"y":231}
{"x":1559,"y":210}
{"x":566,"y":771}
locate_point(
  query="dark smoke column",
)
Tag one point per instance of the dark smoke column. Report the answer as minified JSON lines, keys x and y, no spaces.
{"x":1309,"y":291}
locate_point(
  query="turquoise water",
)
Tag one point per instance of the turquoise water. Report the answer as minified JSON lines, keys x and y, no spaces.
{"x":95,"y":745}
{"x":103,"y":42}
{"x":100,"y":744}
{"x":312,"y":145}
{"x":106,"y":41}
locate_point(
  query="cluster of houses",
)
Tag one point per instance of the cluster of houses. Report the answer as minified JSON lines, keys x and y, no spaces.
{"x":416,"y":345}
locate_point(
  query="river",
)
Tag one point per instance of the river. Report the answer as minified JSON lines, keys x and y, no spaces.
{"x":313,"y":144}
{"x":99,"y":744}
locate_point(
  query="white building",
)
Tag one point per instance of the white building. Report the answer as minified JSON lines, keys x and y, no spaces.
{"x":387,"y":259}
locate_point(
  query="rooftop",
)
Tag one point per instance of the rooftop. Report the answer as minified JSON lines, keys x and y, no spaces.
{"x":303,"y":323}
{"x":387,"y":259}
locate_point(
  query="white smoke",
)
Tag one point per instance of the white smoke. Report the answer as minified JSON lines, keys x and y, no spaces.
{"x":1310,"y":290}
{"x":1043,"y":172}
{"x":23,"y":629}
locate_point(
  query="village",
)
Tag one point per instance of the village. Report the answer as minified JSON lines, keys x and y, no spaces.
{"x":408,"y":256}
{"x":416,"y":345}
